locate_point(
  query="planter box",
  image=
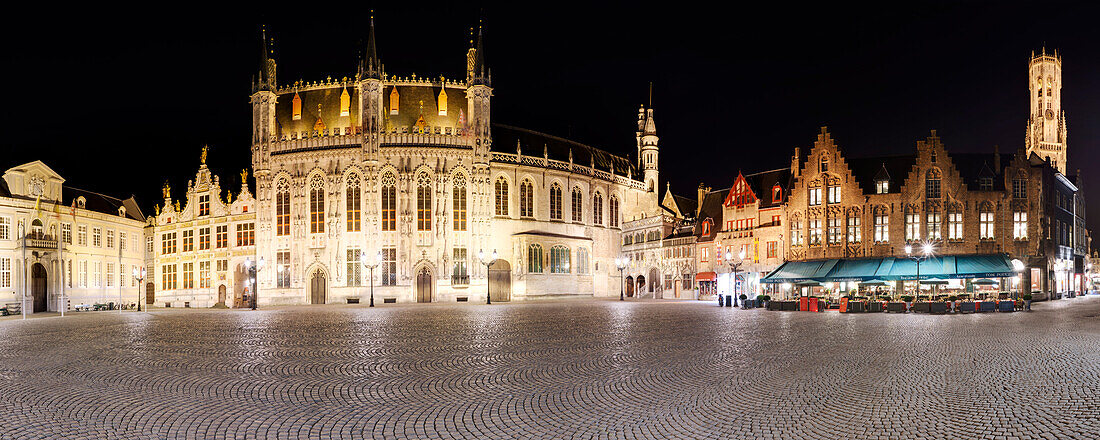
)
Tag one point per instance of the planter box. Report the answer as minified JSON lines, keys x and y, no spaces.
{"x":895,"y":307}
{"x":875,"y":307}
{"x":921,"y":307}
{"x":790,"y":306}
{"x":855,"y":307}
{"x":966,"y":307}
{"x":1006,"y":306}
{"x":985,"y":306}
{"x":937,"y":307}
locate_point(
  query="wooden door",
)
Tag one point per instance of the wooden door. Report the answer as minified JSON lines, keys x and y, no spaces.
{"x":424,"y":286}
{"x":500,"y":281}
{"x":317,"y":288}
{"x":221,"y":294}
{"x":38,"y":287}
{"x":630,"y":286}
{"x":150,"y":294}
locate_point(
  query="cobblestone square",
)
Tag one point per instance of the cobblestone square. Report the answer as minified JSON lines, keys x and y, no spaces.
{"x":569,"y":369}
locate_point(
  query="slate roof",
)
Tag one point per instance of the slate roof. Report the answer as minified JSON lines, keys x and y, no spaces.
{"x":712,"y":209}
{"x":762,"y":183}
{"x":97,"y":202}
{"x":4,"y":191}
{"x":866,"y":169}
{"x":533,"y":143}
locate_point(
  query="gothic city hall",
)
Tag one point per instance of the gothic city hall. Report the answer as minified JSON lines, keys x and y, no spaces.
{"x":402,"y":185}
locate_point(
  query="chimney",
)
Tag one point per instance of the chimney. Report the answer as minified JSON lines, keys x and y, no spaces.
{"x":795,"y":162}
{"x":997,"y":159}
{"x":702,"y":192}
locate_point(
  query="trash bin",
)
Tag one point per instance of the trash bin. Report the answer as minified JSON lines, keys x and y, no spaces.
{"x":729,"y":300}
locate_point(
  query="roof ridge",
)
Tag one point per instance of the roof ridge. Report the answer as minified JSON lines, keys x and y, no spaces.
{"x":559,"y":138}
{"x":96,"y":193}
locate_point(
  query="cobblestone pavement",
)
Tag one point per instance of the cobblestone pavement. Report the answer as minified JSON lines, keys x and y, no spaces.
{"x":575,"y":369}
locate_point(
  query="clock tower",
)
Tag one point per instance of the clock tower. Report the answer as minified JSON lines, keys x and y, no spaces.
{"x":1046,"y":127}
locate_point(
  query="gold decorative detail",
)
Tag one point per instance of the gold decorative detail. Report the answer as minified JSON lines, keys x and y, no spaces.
{"x":244,"y":176}
{"x":167,"y":190}
{"x":202,"y":157}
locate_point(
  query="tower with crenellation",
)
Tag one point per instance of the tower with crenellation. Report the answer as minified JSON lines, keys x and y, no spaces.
{"x":1046,"y":125}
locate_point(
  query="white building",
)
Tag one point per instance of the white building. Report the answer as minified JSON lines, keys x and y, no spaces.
{"x":61,"y":247}
{"x":412,"y":169}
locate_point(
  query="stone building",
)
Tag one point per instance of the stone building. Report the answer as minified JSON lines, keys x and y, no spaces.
{"x":752,"y":233}
{"x":659,"y":248}
{"x":413,"y":170}
{"x":63,"y":247}
{"x":709,"y":216}
{"x":199,"y":247}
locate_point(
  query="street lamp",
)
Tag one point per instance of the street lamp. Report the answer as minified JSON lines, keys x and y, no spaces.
{"x":735,"y":268}
{"x":139,"y":275}
{"x":926,"y":252}
{"x":377,"y":261}
{"x":487,"y":262}
{"x":621,"y":264}
{"x":253,"y":272}
{"x":1018,"y":267}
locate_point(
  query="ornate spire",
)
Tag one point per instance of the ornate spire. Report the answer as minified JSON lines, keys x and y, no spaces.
{"x":371,"y":66}
{"x":266,"y":78}
{"x":480,"y":71}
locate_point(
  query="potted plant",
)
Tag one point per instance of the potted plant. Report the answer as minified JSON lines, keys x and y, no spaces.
{"x":1027,"y":301}
{"x":908,"y":300}
{"x":952,"y":299}
{"x":743,"y":297}
{"x":765,"y":300}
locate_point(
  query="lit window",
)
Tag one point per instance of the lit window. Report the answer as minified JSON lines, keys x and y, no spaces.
{"x":188,"y":275}
{"x":246,"y":234}
{"x":912,"y":226}
{"x":442,"y":101}
{"x":534,"y":258}
{"x":282,"y":208}
{"x":204,"y":204}
{"x":796,"y":232}
{"x":502,"y":197}
{"x":934,"y":223}
{"x":395,"y":98}
{"x":459,"y":274}
{"x":854,"y":233}
{"x":221,"y":237}
{"x":317,"y":205}
{"x":815,"y":232}
{"x":282,"y":260}
{"x":882,"y":226}
{"x":882,"y":186}
{"x":188,"y":240}
{"x":834,"y":194}
{"x":423,"y":202}
{"x":526,"y":202}
{"x":559,"y":259}
{"x":204,"y":274}
{"x":815,"y":196}
{"x":954,"y":223}
{"x":296,"y":107}
{"x":352,"y":196}
{"x":834,"y":232}
{"x":985,"y":222}
{"x":458,"y":196}
{"x":204,"y":238}
{"x":389,"y":202}
{"x":345,"y":103}
{"x":1019,"y":225}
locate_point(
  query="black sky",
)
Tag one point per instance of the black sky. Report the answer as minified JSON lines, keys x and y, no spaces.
{"x":119,"y":103}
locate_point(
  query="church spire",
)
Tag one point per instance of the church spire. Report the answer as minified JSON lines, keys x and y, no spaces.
{"x":266,"y":78}
{"x":371,"y":66}
{"x":480,"y":71}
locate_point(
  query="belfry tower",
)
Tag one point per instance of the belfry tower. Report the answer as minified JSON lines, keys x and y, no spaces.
{"x":646,"y":137}
{"x":1046,"y":127}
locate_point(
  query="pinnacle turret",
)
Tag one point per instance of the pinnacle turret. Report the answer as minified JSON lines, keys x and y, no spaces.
{"x":371,"y":66}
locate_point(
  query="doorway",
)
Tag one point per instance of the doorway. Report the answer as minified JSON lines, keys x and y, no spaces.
{"x":317,"y":288}
{"x":424,"y":286}
{"x":630,"y":287}
{"x":221,"y":294}
{"x":500,"y":281}
{"x":38,"y":287}
{"x":150,"y":295}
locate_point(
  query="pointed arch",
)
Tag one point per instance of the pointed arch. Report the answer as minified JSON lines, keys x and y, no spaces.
{"x":555,"y":201}
{"x":576,"y":208}
{"x":316,"y":204}
{"x":282,"y":206}
{"x":613,"y":211}
{"x":597,"y":208}
{"x":353,"y":201}
{"x":388,"y":194}
{"x":423,"y":201}
{"x":501,"y":196}
{"x":526,"y":199}
{"x":458,"y":200}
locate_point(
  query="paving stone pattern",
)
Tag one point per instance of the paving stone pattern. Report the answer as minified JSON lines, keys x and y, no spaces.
{"x":577,"y":369}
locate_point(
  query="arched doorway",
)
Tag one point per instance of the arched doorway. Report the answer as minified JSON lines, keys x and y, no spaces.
{"x":317,"y":288}
{"x":641,"y":285}
{"x":424,"y":285}
{"x":500,"y":281}
{"x":240,"y":280}
{"x":38,"y":287}
{"x":150,"y":294}
{"x":655,"y":283}
{"x":629,"y":286}
{"x":221,"y":294}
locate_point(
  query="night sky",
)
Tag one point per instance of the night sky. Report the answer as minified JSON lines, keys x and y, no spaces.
{"x":118,"y":104}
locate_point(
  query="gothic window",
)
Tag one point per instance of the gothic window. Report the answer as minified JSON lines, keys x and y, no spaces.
{"x":317,"y":205}
{"x":597,"y":209}
{"x":423,"y":202}
{"x":576,"y":208}
{"x":855,"y":235}
{"x":582,"y":260}
{"x":559,"y":259}
{"x":935,"y":223}
{"x":352,"y":195}
{"x":296,"y":107}
{"x":458,"y":197}
{"x":882,"y":226}
{"x":555,"y":202}
{"x":954,"y":223}
{"x":502,"y":197}
{"x":282,"y":207}
{"x":345,"y":103}
{"x":534,"y":258}
{"x":389,"y":202}
{"x":1019,"y":225}
{"x":613,"y":211}
{"x":985,"y":222}
{"x":526,"y":199}
{"x":395,"y":98}
{"x":824,"y":164}
{"x":912,"y":225}
{"x":932,"y":184}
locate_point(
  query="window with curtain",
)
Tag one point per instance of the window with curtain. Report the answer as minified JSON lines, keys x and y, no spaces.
{"x":423,"y":202}
{"x":882,"y":226}
{"x":576,"y":208}
{"x":317,"y":205}
{"x":389,"y":202}
{"x":555,"y":202}
{"x":559,"y":259}
{"x":912,"y":226}
{"x":526,"y":199}
{"x":796,"y":232}
{"x":352,"y":195}
{"x":502,"y":197}
{"x":815,"y":232}
{"x":835,"y":234}
{"x":534,"y":258}
{"x":855,"y":235}
{"x":458,"y":197}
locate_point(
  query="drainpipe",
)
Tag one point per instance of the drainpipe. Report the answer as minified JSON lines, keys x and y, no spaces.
{"x":23,"y":300}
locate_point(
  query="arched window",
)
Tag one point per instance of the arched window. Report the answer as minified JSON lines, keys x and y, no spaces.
{"x":582,"y":261}
{"x":613,"y":211}
{"x":777,"y":194}
{"x":458,"y":195}
{"x":353,"y":198}
{"x":423,"y":202}
{"x":706,"y":227}
{"x":502,"y":197}
{"x":526,"y":199}
{"x":597,"y":209}
{"x":317,"y":205}
{"x":282,"y":207}
{"x":559,"y":259}
{"x":985,"y":222}
{"x":932,"y":184}
{"x":555,"y":202}
{"x":823,"y":166}
{"x":576,"y":208}
{"x":534,"y":258}
{"x":389,"y":202}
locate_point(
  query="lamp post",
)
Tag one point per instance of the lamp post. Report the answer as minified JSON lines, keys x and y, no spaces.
{"x":377,"y":261}
{"x":735,"y":268}
{"x":926,"y":252}
{"x":1018,"y":267}
{"x":487,"y":262}
{"x":253,"y":272}
{"x":139,"y":275}
{"x":23,"y":299}
{"x":621,"y":263}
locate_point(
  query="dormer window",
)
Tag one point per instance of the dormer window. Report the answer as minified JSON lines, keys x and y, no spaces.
{"x":985,"y":183}
{"x":395,"y":99}
{"x":122,"y":211}
{"x":345,"y":103}
{"x":706,"y":227}
{"x":777,"y":194}
{"x":882,"y":186}
{"x":80,"y":202}
{"x":442,"y":99}
{"x":296,"y":107}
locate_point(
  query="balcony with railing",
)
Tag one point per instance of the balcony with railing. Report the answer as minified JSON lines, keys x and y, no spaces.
{"x":37,"y":240}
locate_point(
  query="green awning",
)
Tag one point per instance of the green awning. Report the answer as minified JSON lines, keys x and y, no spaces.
{"x":855,"y":270}
{"x":800,"y":271}
{"x":892,"y":269}
{"x":984,"y":266}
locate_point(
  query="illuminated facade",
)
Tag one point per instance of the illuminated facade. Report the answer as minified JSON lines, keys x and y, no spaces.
{"x":1046,"y":123}
{"x":412,"y":169}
